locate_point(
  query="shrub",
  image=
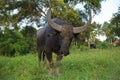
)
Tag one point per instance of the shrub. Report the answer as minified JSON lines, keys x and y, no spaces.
{"x":104,"y":45}
{"x":84,"y":48}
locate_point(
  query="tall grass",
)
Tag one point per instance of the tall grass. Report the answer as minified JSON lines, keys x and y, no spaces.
{"x":95,"y":64}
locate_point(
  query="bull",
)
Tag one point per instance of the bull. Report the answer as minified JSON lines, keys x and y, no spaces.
{"x":56,"y":36}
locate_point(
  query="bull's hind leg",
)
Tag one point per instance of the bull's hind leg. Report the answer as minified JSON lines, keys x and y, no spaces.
{"x":45,"y":61}
{"x":39,"y":56}
{"x":58,"y":60}
{"x":49,"y":58}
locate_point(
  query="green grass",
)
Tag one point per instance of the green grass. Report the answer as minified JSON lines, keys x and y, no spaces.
{"x":86,"y":65}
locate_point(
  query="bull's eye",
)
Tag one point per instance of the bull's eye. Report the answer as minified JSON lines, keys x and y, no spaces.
{"x":61,"y":35}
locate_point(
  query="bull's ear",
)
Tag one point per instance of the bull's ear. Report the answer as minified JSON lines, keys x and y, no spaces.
{"x":79,"y":37}
{"x":52,"y":34}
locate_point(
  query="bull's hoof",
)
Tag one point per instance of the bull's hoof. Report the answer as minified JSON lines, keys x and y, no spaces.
{"x":46,"y":68}
{"x":51,"y":72}
{"x":57,"y":74}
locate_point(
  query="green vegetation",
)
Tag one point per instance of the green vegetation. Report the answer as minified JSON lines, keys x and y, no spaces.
{"x":18,"y":41}
{"x":94,"y":64}
{"x":18,"y":19}
{"x":14,"y":43}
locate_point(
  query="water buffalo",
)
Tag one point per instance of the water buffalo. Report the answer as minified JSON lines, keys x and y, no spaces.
{"x":56,"y":36}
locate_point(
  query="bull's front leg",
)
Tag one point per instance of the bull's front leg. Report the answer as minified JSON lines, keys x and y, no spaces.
{"x":51,"y":67}
{"x":58,"y":60}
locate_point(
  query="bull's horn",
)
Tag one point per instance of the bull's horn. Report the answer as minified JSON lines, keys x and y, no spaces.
{"x":51,"y":23}
{"x":83,"y":28}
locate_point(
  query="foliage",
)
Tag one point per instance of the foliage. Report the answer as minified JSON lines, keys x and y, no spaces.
{"x":29,"y":34}
{"x":116,"y":22}
{"x":13,"y":43}
{"x":108,"y":31}
{"x":95,"y":64}
{"x":104,"y":45}
{"x":18,"y":11}
{"x":16,"y":40}
{"x":84,"y":48}
{"x":112,"y":29}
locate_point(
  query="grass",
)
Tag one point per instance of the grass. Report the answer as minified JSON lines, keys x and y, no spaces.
{"x":95,"y":64}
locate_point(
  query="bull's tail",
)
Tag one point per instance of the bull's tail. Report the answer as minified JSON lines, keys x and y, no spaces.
{"x":43,"y":55}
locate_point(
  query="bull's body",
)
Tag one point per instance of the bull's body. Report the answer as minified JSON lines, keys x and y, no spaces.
{"x":48,"y":41}
{"x":56,"y":36}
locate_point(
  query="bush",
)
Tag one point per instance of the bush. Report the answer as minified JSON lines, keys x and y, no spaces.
{"x":14,"y":43}
{"x":84,"y":48}
{"x":104,"y":45}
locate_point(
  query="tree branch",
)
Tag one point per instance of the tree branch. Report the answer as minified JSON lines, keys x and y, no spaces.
{"x":39,"y":7}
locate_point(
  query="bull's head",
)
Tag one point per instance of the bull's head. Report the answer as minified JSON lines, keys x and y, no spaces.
{"x":66,"y":32}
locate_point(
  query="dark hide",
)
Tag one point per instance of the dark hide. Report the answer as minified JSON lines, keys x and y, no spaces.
{"x":56,"y":36}
{"x":49,"y":40}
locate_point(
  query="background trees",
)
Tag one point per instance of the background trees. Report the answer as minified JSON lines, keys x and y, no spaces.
{"x":18,"y":19}
{"x":112,"y":28}
{"x":13,"y":43}
{"x":115,"y":21}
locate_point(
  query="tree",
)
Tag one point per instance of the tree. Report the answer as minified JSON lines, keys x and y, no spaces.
{"x":29,"y":34}
{"x":13,"y":43}
{"x":115,"y":22}
{"x":112,"y":29}
{"x":10,"y":37}
{"x":108,"y":30}
{"x":14,"y":13}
